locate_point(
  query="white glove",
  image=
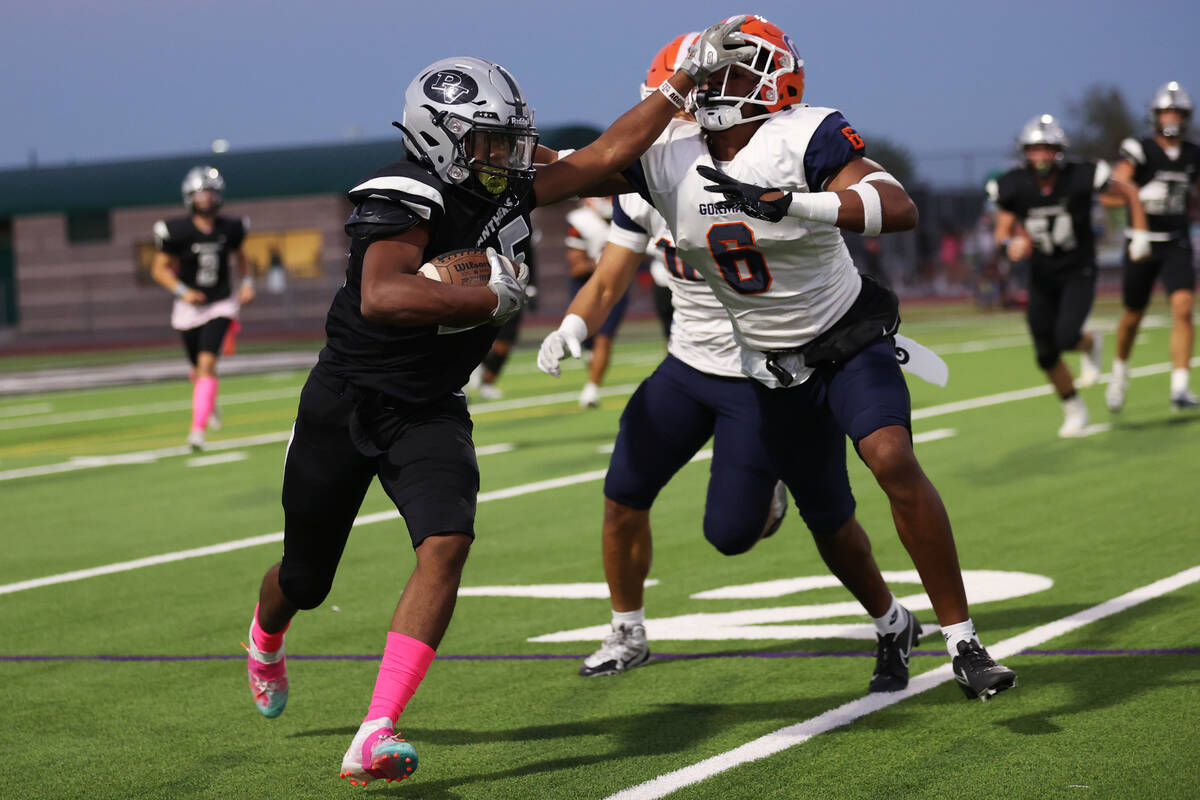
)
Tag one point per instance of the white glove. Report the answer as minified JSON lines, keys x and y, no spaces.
{"x":568,"y":339}
{"x":508,"y":280}
{"x":1139,"y":244}
{"x":715,"y":48}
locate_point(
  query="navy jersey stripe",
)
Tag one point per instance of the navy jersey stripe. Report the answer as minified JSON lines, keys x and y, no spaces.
{"x":829,"y":150}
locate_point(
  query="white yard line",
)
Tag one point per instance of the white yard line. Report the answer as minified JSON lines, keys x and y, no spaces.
{"x":91,"y":415}
{"x":801,"y":732}
{"x":220,"y":458}
{"x":150,"y":456}
{"x":979,"y":402}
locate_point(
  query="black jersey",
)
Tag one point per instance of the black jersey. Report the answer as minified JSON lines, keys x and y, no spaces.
{"x":203,"y":257}
{"x":422,"y":363}
{"x":1164,"y":183}
{"x":1058,"y":223}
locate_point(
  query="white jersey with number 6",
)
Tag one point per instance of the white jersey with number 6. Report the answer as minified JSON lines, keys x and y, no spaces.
{"x":782,"y":283}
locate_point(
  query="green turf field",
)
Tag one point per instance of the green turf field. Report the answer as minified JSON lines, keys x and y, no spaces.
{"x":1105,"y":709}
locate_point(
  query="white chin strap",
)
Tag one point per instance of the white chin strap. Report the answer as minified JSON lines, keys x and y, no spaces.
{"x":719,"y":118}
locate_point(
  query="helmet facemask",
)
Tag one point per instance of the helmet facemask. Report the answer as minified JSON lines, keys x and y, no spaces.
{"x":467,"y":120}
{"x":779,"y":83}
{"x":1171,"y":97}
{"x":203,"y":179}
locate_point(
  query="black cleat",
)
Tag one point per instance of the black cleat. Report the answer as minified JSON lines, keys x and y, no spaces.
{"x":891,"y":656}
{"x":978,"y":674}
{"x":1184,"y":401}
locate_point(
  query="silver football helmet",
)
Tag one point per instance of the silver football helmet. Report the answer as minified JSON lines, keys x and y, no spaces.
{"x":1043,"y":129}
{"x":467,"y":117}
{"x":1171,"y":96}
{"x":199,"y":179}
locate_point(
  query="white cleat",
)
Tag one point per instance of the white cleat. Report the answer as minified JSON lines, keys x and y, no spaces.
{"x":589,"y":397}
{"x":1090,"y":361}
{"x":195,"y":440}
{"x":622,"y":650}
{"x":1114,"y":395}
{"x":489,"y":391}
{"x":1075,"y":418}
{"x":377,"y":752}
{"x":1184,"y":401}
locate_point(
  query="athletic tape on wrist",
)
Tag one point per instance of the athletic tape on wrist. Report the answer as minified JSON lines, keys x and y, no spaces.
{"x":872,"y":208}
{"x":179,"y":290}
{"x":815,"y":206}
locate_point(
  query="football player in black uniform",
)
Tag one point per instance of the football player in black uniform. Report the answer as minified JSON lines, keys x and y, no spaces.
{"x":1166,"y":168}
{"x":1045,"y":215}
{"x":194,"y":261}
{"x":384,"y":399}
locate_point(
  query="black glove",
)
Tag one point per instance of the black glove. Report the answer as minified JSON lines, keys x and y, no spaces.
{"x":746,"y":197}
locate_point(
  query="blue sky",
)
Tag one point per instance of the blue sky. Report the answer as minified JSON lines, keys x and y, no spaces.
{"x":132,"y":78}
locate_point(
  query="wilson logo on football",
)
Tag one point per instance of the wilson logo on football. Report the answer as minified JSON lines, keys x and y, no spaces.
{"x":451,"y":87}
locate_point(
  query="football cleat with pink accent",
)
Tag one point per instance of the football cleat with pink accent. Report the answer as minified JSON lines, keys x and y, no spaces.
{"x":378,"y":753}
{"x":268,"y":679}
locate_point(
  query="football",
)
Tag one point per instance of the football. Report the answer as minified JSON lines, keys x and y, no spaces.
{"x":467,"y":267}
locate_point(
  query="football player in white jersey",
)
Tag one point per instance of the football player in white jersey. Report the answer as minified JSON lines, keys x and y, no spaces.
{"x":587,"y":233}
{"x":754,"y":195}
{"x":699,"y":393}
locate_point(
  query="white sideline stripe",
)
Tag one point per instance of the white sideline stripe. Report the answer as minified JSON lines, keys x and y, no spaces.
{"x":148,"y":408}
{"x":515,"y":491}
{"x":150,"y":456}
{"x":801,"y":732}
{"x":934,"y":435}
{"x":221,"y":458}
{"x":547,"y":399}
{"x":26,"y":410}
{"x":270,"y":538}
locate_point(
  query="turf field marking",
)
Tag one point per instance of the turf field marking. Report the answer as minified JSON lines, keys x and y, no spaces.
{"x":26,"y":410}
{"x":516,"y":491}
{"x":768,"y":654}
{"x":797,"y":734}
{"x":151,"y":456}
{"x":553,"y":591}
{"x":92,"y":415}
{"x":220,"y":458}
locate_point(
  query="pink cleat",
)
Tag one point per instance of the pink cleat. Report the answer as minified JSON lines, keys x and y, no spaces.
{"x":377,"y":752}
{"x":268,"y":679}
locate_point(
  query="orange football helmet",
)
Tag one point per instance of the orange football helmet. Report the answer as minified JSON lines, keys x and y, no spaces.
{"x":667,"y":61}
{"x":776,"y":64}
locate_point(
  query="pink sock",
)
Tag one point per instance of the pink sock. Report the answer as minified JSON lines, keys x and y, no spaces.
{"x":266,"y":642}
{"x":405,"y":661}
{"x":204,"y":397}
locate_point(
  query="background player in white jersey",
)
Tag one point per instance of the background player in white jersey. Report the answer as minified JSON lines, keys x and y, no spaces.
{"x":196,"y":260}
{"x":1166,"y":169}
{"x":587,"y":233}
{"x":1045,"y":215}
{"x":814,"y":334}
{"x":698,"y":392}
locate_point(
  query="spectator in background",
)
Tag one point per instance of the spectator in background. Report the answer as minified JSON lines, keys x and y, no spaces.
{"x":194,"y":261}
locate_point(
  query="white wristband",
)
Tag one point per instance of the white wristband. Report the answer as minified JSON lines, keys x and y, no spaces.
{"x":672,"y":94}
{"x":872,"y":208}
{"x":574,"y":326}
{"x":815,"y":206}
{"x":179,"y":289}
{"x":248,"y":281}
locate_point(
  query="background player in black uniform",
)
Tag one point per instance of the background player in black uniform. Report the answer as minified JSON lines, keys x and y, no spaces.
{"x":194,"y":261}
{"x":1045,"y":214}
{"x":1165,"y":167}
{"x":384,"y":399}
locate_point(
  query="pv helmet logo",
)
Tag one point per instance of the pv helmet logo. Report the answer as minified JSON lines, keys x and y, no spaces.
{"x":451,"y":87}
